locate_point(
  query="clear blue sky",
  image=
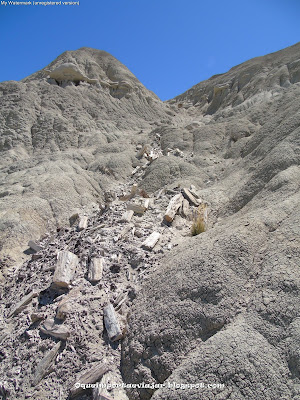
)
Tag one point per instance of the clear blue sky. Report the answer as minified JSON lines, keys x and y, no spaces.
{"x":170,"y":45}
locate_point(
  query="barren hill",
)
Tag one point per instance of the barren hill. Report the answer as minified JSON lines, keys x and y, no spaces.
{"x":216,"y":313}
{"x":65,"y":140}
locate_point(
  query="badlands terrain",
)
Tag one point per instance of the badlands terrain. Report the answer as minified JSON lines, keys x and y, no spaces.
{"x":101,"y":279}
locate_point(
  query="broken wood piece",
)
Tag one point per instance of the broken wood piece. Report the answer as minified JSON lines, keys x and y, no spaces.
{"x":66,"y":304}
{"x":92,"y":375}
{"x":36,"y":316}
{"x":111,"y":323}
{"x":126,"y":197}
{"x":101,"y":392}
{"x":65,"y":268}
{"x":83,"y":222}
{"x":158,"y":196}
{"x":205,"y":215}
{"x":118,"y":305}
{"x":136,"y":208}
{"x":64,"y":309}
{"x":143,"y":193}
{"x":95,"y":228}
{"x":151,"y":241}
{"x":185,"y":208}
{"x":174,"y":205}
{"x":194,"y":192}
{"x":45,"y":364}
{"x":96,"y":269}
{"x":74,"y":218}
{"x":132,"y":193}
{"x":147,"y":203}
{"x":144,"y":150}
{"x":192,"y":199}
{"x":133,"y":190}
{"x":135,"y":170}
{"x":49,"y":327}
{"x":151,"y":156}
{"x":23,"y":302}
{"x":124,"y":231}
{"x":126,"y":217}
{"x":35,"y":247}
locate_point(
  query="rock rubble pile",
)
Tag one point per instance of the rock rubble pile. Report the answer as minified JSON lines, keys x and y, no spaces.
{"x":64,"y":325}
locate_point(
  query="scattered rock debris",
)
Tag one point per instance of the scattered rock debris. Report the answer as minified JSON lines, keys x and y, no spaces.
{"x":83,"y":279}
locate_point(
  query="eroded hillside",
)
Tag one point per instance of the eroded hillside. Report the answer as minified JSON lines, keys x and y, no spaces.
{"x":219,"y":308}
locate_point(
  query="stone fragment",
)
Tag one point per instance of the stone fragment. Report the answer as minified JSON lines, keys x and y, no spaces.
{"x":144,"y":150}
{"x":185,"y":208}
{"x":67,"y":303}
{"x":92,"y":375}
{"x":104,"y":391}
{"x":65,"y":268}
{"x":173,"y":207}
{"x":111,"y":323}
{"x":96,"y":269}
{"x":126,"y":217}
{"x":36,"y":316}
{"x":147,"y":203}
{"x":151,"y":241}
{"x":34,"y":246}
{"x":83,"y":222}
{"x":136,"y":208}
{"x":192,"y":199}
{"x":49,"y":327}
{"x":45,"y":364}
{"x":23,"y":302}
{"x":73,"y":219}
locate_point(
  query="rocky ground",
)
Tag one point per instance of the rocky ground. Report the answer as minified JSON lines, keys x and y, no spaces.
{"x":127,"y":263}
{"x":212,"y":316}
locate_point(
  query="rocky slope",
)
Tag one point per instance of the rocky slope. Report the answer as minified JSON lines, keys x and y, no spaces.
{"x":64,"y":141}
{"x":216,"y":315}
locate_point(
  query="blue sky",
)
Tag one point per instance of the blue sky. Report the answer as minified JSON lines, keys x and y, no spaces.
{"x":168,"y":45}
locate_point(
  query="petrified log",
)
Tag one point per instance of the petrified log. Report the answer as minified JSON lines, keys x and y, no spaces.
{"x":37,"y":316}
{"x":101,"y":392}
{"x":92,"y":375}
{"x":135,"y":170}
{"x":65,"y":268}
{"x":126,"y":217}
{"x":185,"y":208}
{"x":147,"y":203}
{"x":173,"y":207}
{"x":49,"y":327}
{"x":45,"y":364}
{"x":192,"y":199}
{"x":151,"y":240}
{"x":144,"y":150}
{"x":35,"y":247}
{"x":23,"y":302}
{"x":83,"y":222}
{"x":73,"y":219}
{"x":137,"y":208}
{"x":131,"y":194}
{"x":111,"y":323}
{"x":66,"y":304}
{"x":96,"y":269}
